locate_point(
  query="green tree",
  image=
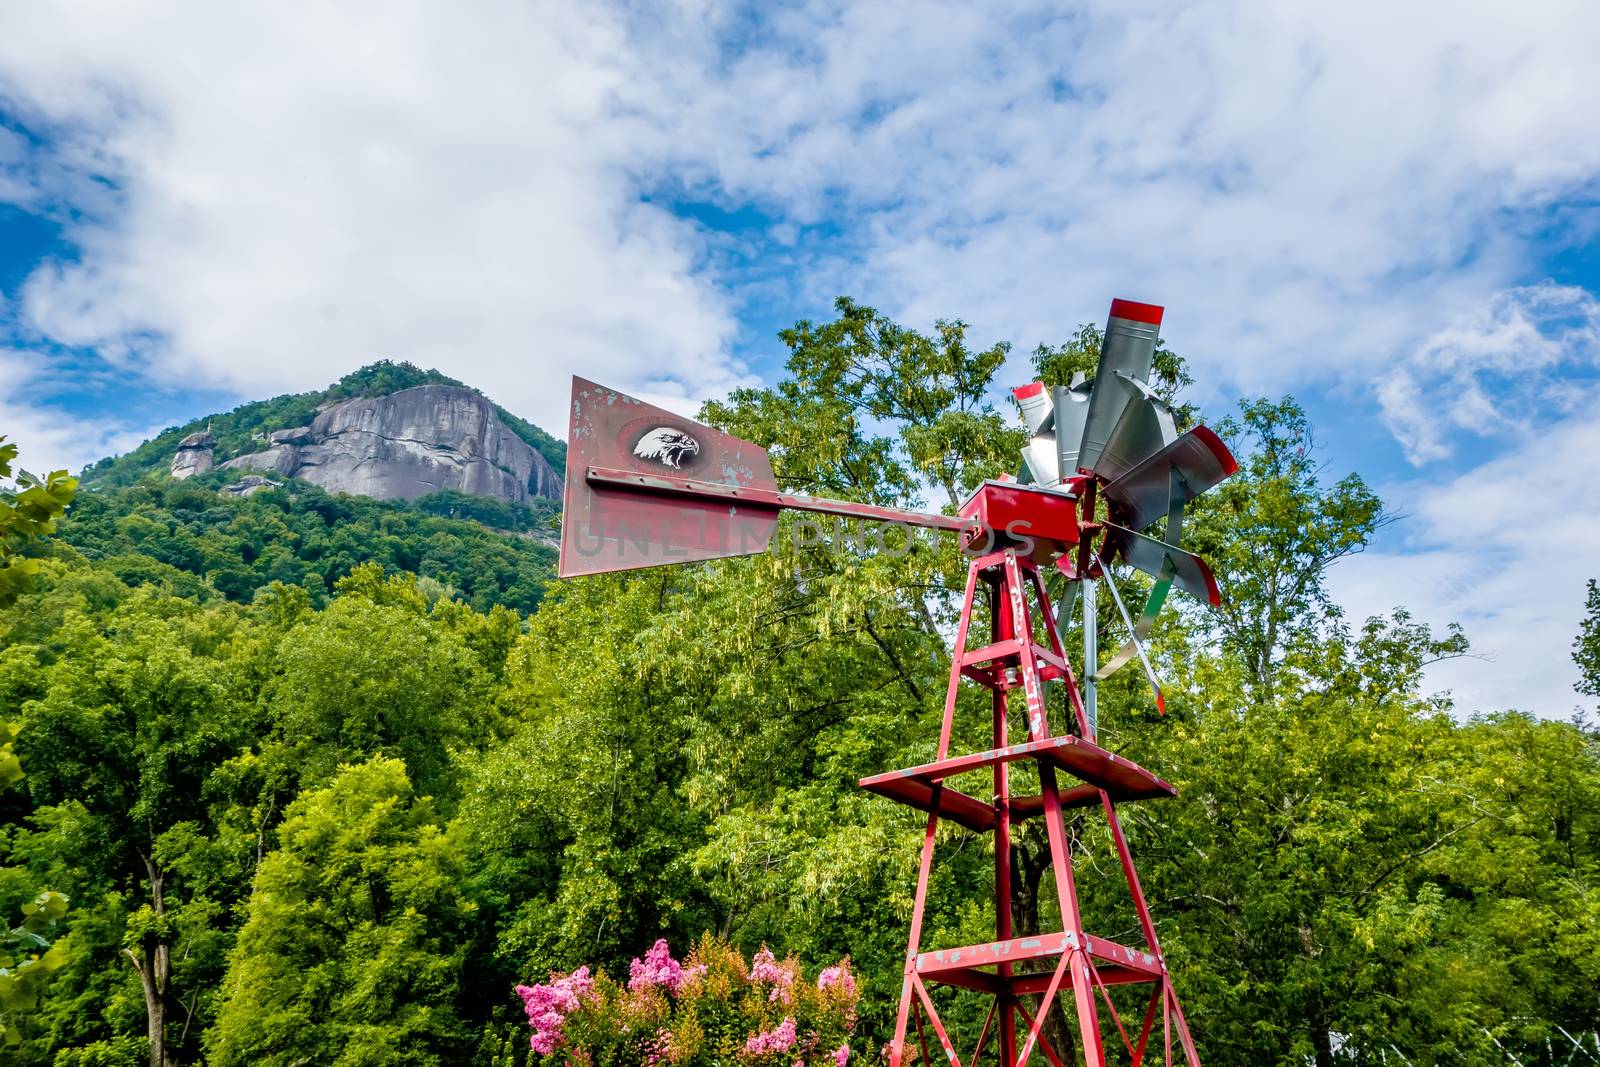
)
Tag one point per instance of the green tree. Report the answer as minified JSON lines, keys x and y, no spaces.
{"x":28,"y":955}
{"x":1271,"y":533}
{"x":374,"y":672}
{"x":133,"y":720}
{"x":1586,"y":646}
{"x":136,"y":710}
{"x":354,"y":936}
{"x":860,"y":370}
{"x":28,"y":511}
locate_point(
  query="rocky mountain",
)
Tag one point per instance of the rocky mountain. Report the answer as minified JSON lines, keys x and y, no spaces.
{"x":390,"y":431}
{"x":194,"y":455}
{"x":404,"y":445}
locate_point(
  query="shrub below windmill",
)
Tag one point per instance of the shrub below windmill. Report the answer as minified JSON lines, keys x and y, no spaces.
{"x":711,"y":1009}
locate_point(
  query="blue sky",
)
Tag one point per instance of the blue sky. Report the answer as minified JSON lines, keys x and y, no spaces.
{"x":202,"y":205}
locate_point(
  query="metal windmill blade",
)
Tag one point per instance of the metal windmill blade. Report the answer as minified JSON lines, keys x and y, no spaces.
{"x":1115,"y":439}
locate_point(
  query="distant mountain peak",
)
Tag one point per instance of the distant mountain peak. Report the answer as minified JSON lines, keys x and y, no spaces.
{"x":403,"y":445}
{"x":389,"y":430}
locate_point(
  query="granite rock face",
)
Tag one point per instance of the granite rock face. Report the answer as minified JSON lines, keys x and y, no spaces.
{"x":249,"y":485}
{"x":409,"y":444}
{"x":194,"y":455}
{"x":299,"y":435}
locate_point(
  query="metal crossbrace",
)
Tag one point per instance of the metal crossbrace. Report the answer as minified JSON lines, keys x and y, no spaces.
{"x":938,"y":1026}
{"x":977,"y":1050}
{"x":1044,"y":1042}
{"x":1112,"y":1008}
{"x":922,"y":1037}
{"x":1166,"y":1019}
{"x":1133,"y":628}
{"x":1579,"y":1046}
{"x":1156,"y":998}
{"x":1036,"y":1025}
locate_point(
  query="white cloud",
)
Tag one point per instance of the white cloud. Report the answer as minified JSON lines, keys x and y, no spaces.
{"x":46,"y":437}
{"x":300,"y":195}
{"x":1310,"y":197}
{"x":1342,"y":196}
{"x":1504,"y":549}
{"x":295,"y":196}
{"x":1500,"y":371}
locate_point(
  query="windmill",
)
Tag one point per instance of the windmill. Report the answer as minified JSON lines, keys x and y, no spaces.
{"x":1104,"y":462}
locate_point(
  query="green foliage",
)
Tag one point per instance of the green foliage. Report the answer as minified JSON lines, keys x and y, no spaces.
{"x":864,"y":370}
{"x":363,"y":677}
{"x":28,"y":511}
{"x":1271,"y":532}
{"x":242,"y":430}
{"x":194,"y":542}
{"x":27,"y":958}
{"x":319,"y":793}
{"x":353,"y":939}
{"x":164,"y":740}
{"x":1586,"y":646}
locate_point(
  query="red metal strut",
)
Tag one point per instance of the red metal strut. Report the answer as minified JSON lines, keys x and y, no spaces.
{"x":1084,"y":965}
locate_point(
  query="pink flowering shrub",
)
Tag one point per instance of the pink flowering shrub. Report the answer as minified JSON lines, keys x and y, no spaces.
{"x":710,"y":1010}
{"x":549,"y":1005}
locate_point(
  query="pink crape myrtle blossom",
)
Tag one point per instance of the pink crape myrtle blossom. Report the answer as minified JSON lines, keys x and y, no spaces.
{"x":660,"y":1048}
{"x":670,"y":1013}
{"x":779,"y":1039}
{"x":765,"y":970}
{"x":658,"y":968}
{"x":764,"y":967}
{"x":838,"y":977}
{"x":549,"y":1005}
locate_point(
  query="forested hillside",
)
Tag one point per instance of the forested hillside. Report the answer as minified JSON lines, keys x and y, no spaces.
{"x":332,"y":807}
{"x":194,"y":541}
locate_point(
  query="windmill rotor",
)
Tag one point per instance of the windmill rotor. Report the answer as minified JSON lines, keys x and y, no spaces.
{"x":1114,"y":439}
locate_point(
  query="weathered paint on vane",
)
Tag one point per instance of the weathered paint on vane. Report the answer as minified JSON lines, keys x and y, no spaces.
{"x":610,"y":528}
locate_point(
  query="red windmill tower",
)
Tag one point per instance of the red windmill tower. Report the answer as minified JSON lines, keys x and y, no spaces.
{"x":1104,"y":462}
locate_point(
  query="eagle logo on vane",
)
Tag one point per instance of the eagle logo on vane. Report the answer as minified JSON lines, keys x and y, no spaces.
{"x":668,"y":446}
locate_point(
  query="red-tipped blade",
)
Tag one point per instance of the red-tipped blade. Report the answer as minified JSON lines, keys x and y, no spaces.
{"x":1144,"y":493}
{"x":1190,"y":572}
{"x":607,"y":528}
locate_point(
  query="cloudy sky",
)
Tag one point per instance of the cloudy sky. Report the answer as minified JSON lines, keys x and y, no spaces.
{"x":1389,"y":211}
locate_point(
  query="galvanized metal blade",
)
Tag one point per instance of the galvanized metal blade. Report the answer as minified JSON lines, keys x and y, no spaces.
{"x":1126,"y":353}
{"x":1034,"y":400}
{"x":1145,"y":429}
{"x":1072,"y":413}
{"x":1143,"y":493}
{"x":1189,"y":572}
{"x":1053,"y":417}
{"x":1067,"y":602}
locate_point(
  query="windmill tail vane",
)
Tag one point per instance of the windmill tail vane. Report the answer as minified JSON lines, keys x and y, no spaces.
{"x":1103,"y":464}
